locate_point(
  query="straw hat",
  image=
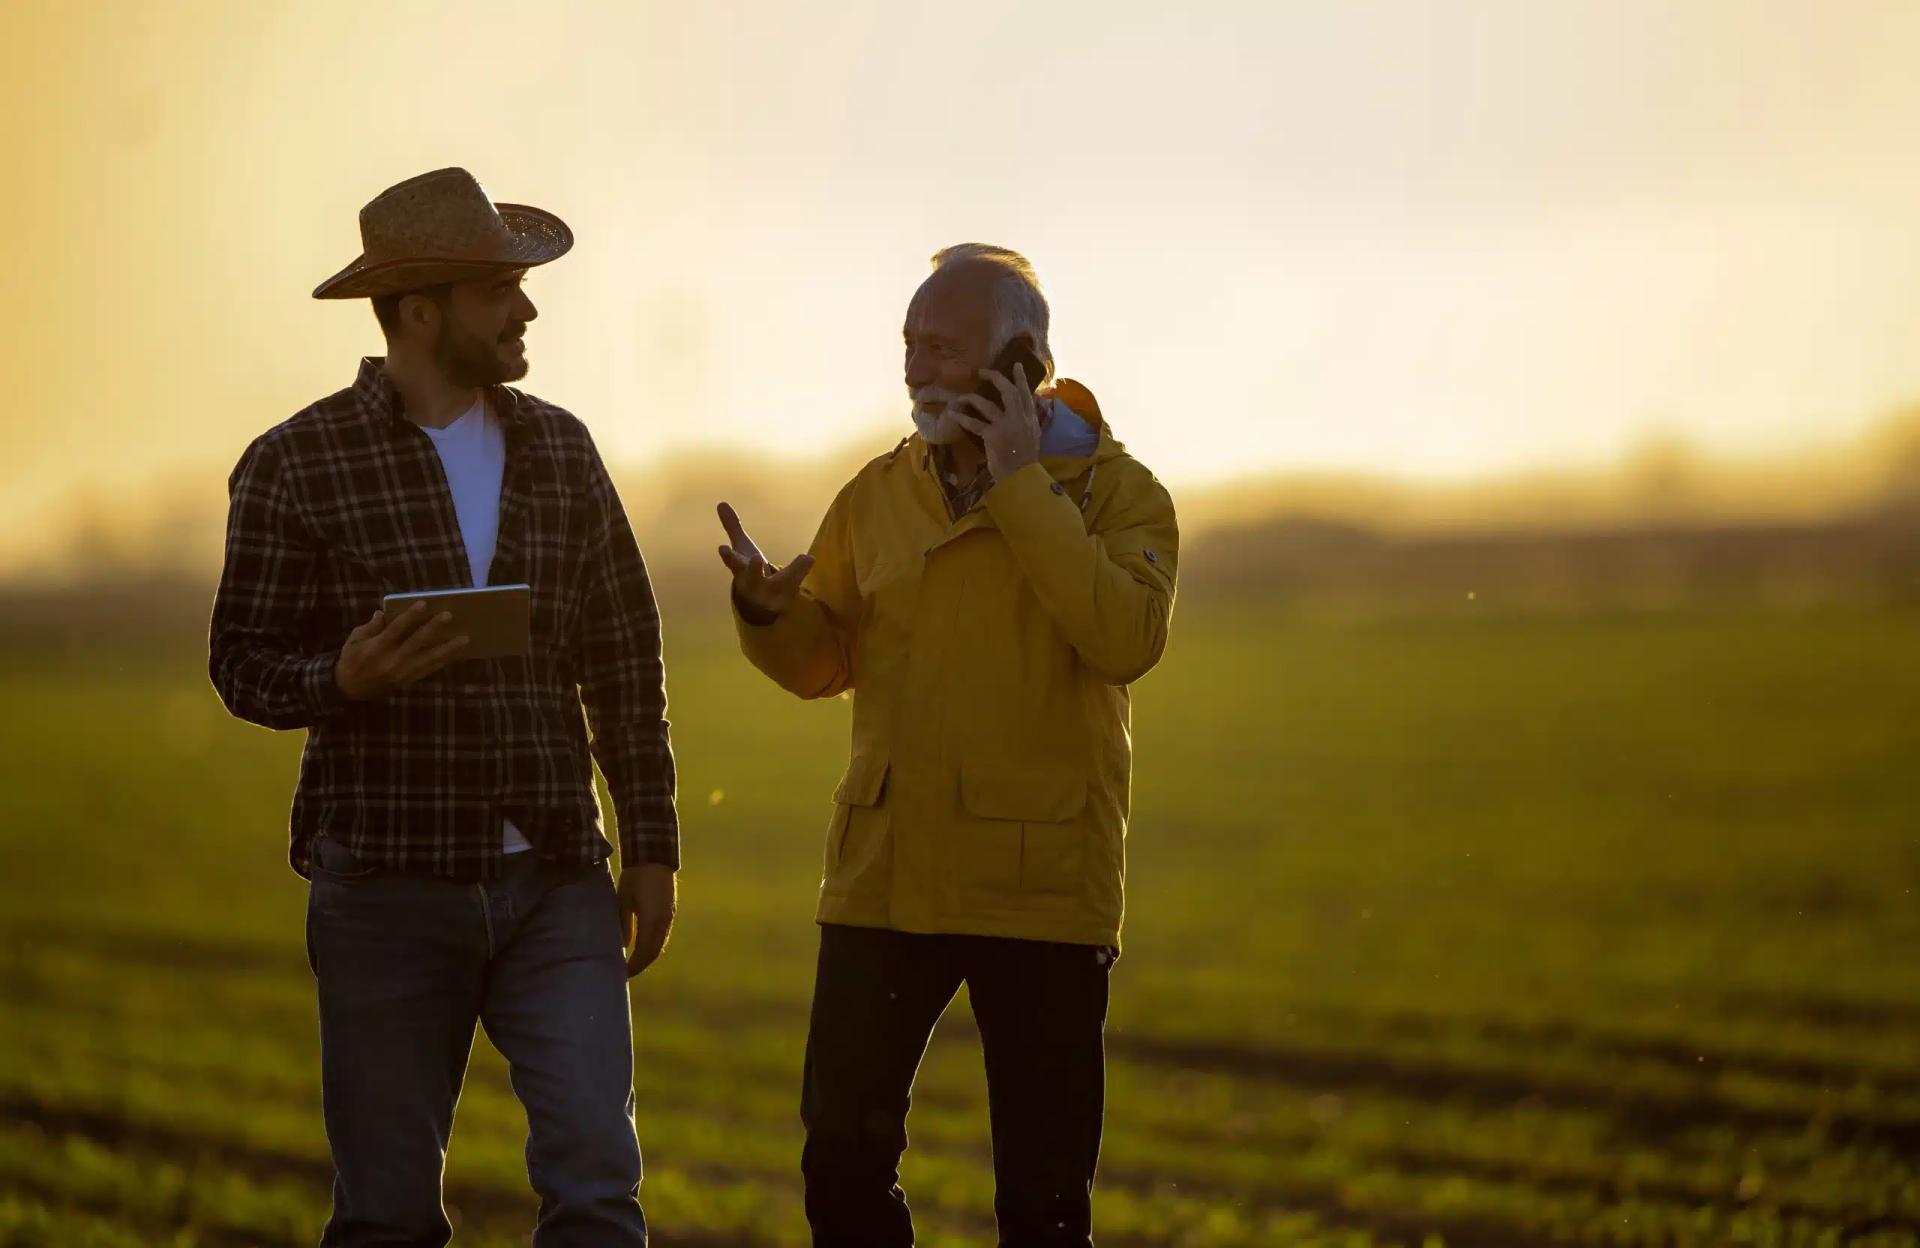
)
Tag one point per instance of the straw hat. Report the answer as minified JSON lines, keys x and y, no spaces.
{"x":441,"y":227}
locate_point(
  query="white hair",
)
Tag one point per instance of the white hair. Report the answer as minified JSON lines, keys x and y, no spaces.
{"x":1019,"y":305}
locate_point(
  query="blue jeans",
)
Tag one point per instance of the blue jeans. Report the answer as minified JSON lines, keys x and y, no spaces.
{"x":406,"y":966}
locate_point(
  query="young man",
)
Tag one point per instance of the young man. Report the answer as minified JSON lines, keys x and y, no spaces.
{"x":445,"y":812}
{"x":987,"y":591}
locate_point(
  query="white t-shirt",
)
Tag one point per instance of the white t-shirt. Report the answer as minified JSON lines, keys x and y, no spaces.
{"x":473,"y":450}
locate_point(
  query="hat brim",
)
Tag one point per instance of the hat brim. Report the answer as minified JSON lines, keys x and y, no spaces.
{"x":534,"y":237}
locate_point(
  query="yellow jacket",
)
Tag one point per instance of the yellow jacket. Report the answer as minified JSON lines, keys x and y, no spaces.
{"x":989,"y":659}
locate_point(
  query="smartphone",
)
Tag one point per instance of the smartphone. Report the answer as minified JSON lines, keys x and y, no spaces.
{"x":495,"y":620}
{"x":1017,"y":351}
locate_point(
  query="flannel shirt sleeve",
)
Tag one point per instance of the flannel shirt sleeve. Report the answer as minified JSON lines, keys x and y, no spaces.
{"x":623,"y":683}
{"x":268,"y":590}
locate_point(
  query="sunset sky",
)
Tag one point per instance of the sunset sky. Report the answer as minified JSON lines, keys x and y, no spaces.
{"x":1434,"y":239}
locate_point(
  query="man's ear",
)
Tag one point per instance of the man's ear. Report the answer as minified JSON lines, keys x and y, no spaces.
{"x":421,"y":310}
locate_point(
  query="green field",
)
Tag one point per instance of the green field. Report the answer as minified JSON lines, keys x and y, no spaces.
{"x":1484,"y":930}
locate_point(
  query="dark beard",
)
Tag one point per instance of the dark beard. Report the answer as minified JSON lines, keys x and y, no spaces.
{"x":465,"y":360}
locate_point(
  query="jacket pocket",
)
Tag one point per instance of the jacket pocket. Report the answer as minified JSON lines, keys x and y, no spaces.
{"x":857,"y":844}
{"x":1031,"y":838}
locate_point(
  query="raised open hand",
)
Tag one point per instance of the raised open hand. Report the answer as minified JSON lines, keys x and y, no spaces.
{"x":760,"y":587}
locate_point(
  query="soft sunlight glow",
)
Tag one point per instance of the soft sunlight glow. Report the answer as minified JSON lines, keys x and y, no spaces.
{"x":1405,"y":238}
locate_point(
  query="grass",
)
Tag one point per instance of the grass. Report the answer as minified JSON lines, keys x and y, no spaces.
{"x":1484,"y":929}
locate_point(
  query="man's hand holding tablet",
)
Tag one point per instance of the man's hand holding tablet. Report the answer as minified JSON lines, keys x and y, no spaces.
{"x":413,"y":636}
{"x":385,"y":653}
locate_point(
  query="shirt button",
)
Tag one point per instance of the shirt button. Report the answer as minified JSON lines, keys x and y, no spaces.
{"x":1058,"y":488}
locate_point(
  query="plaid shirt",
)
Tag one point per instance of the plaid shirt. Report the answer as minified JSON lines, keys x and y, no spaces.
{"x":346,"y":502}
{"x":961,"y":497}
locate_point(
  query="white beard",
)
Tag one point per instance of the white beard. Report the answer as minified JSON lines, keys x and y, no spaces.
{"x":938,"y":428}
{"x":937,"y":424}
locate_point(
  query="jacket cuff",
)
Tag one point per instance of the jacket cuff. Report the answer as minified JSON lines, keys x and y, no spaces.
{"x":1027,"y":494}
{"x":789,"y":633}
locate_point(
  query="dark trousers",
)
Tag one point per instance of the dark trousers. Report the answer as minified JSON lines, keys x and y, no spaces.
{"x":406,"y":967}
{"x":1041,"y":1009}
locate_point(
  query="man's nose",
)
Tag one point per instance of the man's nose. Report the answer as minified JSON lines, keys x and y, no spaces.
{"x":524,"y":309}
{"x":919,"y":372}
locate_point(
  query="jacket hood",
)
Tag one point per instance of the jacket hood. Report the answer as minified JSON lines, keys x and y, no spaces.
{"x":1081,"y":402}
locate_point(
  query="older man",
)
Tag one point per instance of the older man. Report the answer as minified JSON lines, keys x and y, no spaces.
{"x":987,"y":591}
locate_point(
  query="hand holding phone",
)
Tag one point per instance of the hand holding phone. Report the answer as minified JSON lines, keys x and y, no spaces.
{"x":1002,"y":411}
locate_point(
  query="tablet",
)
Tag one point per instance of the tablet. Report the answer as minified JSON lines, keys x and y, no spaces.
{"x":495,"y":620}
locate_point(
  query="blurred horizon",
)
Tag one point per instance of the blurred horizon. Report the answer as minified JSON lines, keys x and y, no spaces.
{"x":173,"y":526}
